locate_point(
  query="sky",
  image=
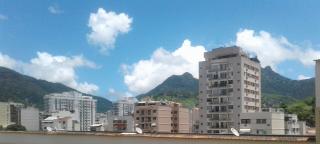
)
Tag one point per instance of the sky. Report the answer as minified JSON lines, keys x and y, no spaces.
{"x":116,"y":48}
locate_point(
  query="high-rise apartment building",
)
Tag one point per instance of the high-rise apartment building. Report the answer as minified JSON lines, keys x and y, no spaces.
{"x":317,"y":109}
{"x":229,"y":84}
{"x":123,"y":107}
{"x":162,"y":117}
{"x":84,"y":107}
{"x":120,"y":118}
{"x":10,"y":113}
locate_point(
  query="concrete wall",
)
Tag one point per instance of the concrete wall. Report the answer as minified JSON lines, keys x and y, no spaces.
{"x":30,"y":118}
{"x":184,"y":122}
{"x":164,"y":119}
{"x":274,"y":123}
{"x":4,"y":114}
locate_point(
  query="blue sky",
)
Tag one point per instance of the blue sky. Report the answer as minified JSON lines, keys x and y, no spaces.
{"x":157,"y":29}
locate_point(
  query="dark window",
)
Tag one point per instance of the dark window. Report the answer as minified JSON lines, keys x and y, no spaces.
{"x":245,"y":121}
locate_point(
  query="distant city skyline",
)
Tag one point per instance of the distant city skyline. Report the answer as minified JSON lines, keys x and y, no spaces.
{"x":125,"y":48}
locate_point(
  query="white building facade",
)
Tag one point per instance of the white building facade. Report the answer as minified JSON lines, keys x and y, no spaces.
{"x":120,"y":118}
{"x":84,"y":107}
{"x":30,"y":118}
{"x":123,"y":107}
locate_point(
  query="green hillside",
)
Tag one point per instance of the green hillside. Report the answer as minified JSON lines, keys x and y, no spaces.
{"x":16,"y":87}
{"x":276,"y":89}
{"x":180,"y":88}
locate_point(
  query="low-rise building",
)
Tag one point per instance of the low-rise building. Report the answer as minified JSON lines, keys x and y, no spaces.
{"x":271,"y":122}
{"x":266,"y":122}
{"x":30,"y":118}
{"x":161,"y":117}
{"x":120,"y":124}
{"x":61,"y":121}
{"x":17,"y":113}
{"x":293,"y":125}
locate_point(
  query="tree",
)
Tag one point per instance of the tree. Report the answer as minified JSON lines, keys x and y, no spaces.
{"x":15,"y":127}
{"x":1,"y":127}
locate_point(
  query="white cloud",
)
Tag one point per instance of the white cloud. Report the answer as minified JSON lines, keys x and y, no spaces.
{"x":3,"y":17}
{"x":106,"y":26}
{"x":55,"y":9}
{"x":59,"y":69}
{"x":144,"y":75}
{"x":7,"y":61}
{"x":302,"y":77}
{"x":273,"y":50}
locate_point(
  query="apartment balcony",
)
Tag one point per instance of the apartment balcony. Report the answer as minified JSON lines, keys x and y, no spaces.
{"x":213,"y":103}
{"x":218,"y":127}
{"x":219,"y":111}
{"x":220,"y":103}
{"x":225,"y":102}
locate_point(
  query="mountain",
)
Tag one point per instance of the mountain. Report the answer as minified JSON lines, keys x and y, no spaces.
{"x":16,"y":87}
{"x":182,"y":88}
{"x":274,"y":83}
{"x":276,"y":89}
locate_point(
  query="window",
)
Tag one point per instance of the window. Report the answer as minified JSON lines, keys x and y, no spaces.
{"x":245,"y":121}
{"x":261,"y":121}
{"x":223,"y":75}
{"x":154,"y":111}
{"x":223,"y":92}
{"x":223,"y":83}
{"x":223,"y":109}
{"x":215,"y":76}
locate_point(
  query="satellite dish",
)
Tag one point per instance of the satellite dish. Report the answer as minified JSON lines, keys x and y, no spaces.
{"x":49,"y":129}
{"x":235,"y":132}
{"x":138,"y":130}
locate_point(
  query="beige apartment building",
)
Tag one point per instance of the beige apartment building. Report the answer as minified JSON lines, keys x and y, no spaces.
{"x":229,"y":84}
{"x":161,"y":117}
{"x":10,"y":113}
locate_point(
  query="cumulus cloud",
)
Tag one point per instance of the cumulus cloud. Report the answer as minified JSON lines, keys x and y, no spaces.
{"x":7,"y":61}
{"x":273,"y":50}
{"x":59,"y":69}
{"x":144,"y":75}
{"x":302,"y":77}
{"x":105,"y":28}
{"x":55,"y":9}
